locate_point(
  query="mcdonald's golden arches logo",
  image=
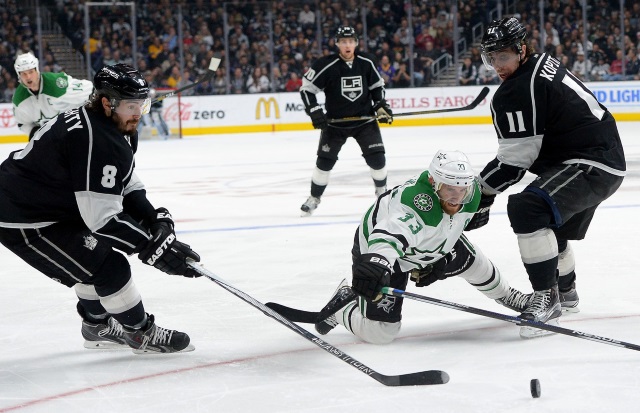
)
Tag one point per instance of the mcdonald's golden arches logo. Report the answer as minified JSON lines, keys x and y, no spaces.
{"x":267,"y":103}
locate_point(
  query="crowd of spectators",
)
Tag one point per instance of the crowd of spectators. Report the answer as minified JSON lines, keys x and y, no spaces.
{"x":272,"y":44}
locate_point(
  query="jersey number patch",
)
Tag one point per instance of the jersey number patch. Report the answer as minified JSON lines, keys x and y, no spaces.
{"x":109,"y":176}
{"x":517,"y":122}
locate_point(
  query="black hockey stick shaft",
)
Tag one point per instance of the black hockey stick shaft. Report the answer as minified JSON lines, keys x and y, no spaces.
{"x":213,"y":66}
{"x":483,"y":94}
{"x":411,"y":379}
{"x":312,"y":317}
{"x":511,"y":319}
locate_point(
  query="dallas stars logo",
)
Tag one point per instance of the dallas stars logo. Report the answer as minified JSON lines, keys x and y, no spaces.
{"x":423,"y":202}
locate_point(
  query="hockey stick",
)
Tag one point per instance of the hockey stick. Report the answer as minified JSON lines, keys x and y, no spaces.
{"x":213,"y":66}
{"x":483,"y":94}
{"x":411,"y":379}
{"x":511,"y":319}
{"x":312,"y":317}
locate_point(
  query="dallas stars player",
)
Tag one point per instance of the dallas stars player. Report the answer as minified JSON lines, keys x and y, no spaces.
{"x":352,"y":87}
{"x":43,"y":96}
{"x":415,"y":231}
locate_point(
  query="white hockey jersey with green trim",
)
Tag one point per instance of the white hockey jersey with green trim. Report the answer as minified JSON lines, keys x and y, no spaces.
{"x":58,"y":93}
{"x":409,"y":226}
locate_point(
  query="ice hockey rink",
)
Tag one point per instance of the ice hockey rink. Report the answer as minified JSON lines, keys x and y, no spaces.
{"x":236,"y":201}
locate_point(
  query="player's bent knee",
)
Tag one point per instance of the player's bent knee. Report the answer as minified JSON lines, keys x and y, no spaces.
{"x":378,"y":332}
{"x":325,"y":164}
{"x":528,"y":213}
{"x":114,"y":274}
{"x":375,"y":160}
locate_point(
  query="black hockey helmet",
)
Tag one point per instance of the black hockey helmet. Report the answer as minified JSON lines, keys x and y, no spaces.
{"x":121,"y":82}
{"x":346,"y":32}
{"x":502,"y":34}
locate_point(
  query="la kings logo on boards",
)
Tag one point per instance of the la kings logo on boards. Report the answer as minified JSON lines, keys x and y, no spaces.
{"x":423,"y":202}
{"x":90,"y":242}
{"x":352,"y":87}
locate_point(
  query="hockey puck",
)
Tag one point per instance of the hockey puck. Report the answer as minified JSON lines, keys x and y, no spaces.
{"x":535,"y":388}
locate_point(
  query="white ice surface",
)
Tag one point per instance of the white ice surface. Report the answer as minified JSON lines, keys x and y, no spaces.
{"x":236,"y":200}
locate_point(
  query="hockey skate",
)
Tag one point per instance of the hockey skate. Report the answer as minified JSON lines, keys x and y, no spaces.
{"x":342,"y":292}
{"x":380,"y":190}
{"x":544,"y":307}
{"x":515,"y":300}
{"x":309,"y":206}
{"x":107,"y":335}
{"x":154,"y":339}
{"x":569,"y":300}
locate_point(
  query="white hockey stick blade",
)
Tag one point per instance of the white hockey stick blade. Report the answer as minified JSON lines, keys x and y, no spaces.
{"x":213,"y":65}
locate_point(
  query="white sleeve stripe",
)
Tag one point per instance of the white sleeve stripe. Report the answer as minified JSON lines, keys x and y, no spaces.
{"x":533,"y":98}
{"x":90,"y":128}
{"x":135,"y":184}
{"x":128,"y":244}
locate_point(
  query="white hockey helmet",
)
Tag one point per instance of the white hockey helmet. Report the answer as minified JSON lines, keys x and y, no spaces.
{"x":452,"y":168}
{"x":26,"y":61}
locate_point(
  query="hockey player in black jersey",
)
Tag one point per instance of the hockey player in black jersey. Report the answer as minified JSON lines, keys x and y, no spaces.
{"x":71,"y":205}
{"x":550,"y":124}
{"x":352,"y":87}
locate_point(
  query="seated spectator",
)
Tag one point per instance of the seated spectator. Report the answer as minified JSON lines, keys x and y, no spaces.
{"x":306,"y":17}
{"x":615,"y":69}
{"x":401,"y":77}
{"x":601,"y":70}
{"x":7,"y":95}
{"x":220,"y":82}
{"x":581,"y":66}
{"x":294,"y":83}
{"x":257,"y":83}
{"x":423,"y":38}
{"x":487,"y":76}
{"x":467,"y":73}
{"x":387,"y":70}
{"x":238,"y":83}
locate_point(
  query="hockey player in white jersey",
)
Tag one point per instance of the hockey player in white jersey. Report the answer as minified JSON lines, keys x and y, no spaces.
{"x":41,"y":97}
{"x":415,"y":231}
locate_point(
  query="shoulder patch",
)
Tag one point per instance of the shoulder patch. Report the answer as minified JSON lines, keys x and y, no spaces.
{"x":423,"y":202}
{"x":55,"y":84}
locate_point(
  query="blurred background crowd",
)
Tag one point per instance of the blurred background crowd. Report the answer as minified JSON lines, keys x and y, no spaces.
{"x":268,"y":46}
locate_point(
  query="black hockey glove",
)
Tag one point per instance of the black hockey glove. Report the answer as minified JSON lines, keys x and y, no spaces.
{"x":371,"y":272}
{"x":431,"y":273}
{"x":481,"y":217}
{"x":318,"y":118}
{"x":383,"y":111}
{"x":164,"y":251}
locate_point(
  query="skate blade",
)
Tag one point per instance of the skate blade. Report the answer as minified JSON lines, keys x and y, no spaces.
{"x":187,"y":349}
{"x":305,"y":213}
{"x":573,"y":309}
{"x":532,"y":332}
{"x":104,"y":345}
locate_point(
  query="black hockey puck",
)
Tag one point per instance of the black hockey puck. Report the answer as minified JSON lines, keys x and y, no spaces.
{"x":535,"y":388}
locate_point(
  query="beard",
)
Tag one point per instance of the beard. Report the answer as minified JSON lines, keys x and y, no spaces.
{"x":126,"y":127}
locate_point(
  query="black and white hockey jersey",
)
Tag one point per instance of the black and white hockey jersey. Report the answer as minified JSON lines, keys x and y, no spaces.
{"x":349,"y":87}
{"x":543,"y":115}
{"x":77,"y":168}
